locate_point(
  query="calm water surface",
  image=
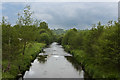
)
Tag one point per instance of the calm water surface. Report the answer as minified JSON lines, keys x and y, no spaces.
{"x":54,"y":63}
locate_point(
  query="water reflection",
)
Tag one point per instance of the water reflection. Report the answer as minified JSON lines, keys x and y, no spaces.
{"x":74,"y":63}
{"x":42,"y":58}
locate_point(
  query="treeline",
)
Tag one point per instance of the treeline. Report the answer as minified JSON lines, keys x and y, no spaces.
{"x":97,"y":49}
{"x":15,"y":38}
{"x":18,"y":39}
{"x":59,"y":31}
{"x":58,"y":34}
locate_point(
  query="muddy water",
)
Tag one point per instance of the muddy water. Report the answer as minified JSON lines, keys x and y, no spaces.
{"x":54,"y":63}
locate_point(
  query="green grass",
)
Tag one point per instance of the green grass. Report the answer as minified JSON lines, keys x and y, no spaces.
{"x":23,"y":61}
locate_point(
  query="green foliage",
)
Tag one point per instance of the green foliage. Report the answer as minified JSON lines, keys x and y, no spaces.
{"x":4,"y":21}
{"x":25,"y":18}
{"x":30,"y":54}
{"x":43,"y":25}
{"x":20,"y":43}
{"x":68,"y":37}
{"x":43,"y":31}
{"x":10,"y":41}
{"x":44,"y":34}
{"x":26,"y":32}
{"x":98,"y":49}
{"x":44,"y":37}
{"x":59,"y":38}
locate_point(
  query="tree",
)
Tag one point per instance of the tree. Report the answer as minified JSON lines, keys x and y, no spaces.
{"x":110,"y":23}
{"x":25,"y":29}
{"x":43,"y":31}
{"x":43,"y":25}
{"x":26,"y":17}
{"x":68,"y":37}
{"x":25,"y":35}
{"x":19,"y":20}
{"x":44,"y":37}
{"x":36,"y":22}
{"x":27,"y":20}
{"x":4,"y":21}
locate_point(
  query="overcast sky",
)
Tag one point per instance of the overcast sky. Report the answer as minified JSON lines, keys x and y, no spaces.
{"x":65,"y":15}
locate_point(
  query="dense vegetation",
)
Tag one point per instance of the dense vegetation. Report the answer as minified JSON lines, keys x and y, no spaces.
{"x":22,"y":42}
{"x":58,"y":34}
{"x":97,"y":49}
{"x":59,"y":31}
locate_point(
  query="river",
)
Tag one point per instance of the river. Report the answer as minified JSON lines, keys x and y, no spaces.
{"x":54,"y":63}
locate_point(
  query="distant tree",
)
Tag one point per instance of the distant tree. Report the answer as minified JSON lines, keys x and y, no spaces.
{"x":43,"y":25}
{"x":44,"y":37}
{"x":74,"y":29}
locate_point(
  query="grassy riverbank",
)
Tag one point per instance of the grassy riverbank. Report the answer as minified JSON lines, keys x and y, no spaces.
{"x":90,"y":66}
{"x":24,"y":61}
{"x":97,"y":49}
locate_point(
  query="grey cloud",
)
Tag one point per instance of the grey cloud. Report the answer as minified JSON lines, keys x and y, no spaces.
{"x":72,"y":14}
{"x":69,"y":14}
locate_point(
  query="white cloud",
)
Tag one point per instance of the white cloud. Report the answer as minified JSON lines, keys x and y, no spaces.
{"x":42,"y":16}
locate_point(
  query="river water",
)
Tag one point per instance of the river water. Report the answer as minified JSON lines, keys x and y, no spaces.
{"x":54,"y":63}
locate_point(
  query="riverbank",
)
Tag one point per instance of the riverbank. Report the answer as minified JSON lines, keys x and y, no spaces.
{"x":91,"y":66}
{"x":21,"y":63}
